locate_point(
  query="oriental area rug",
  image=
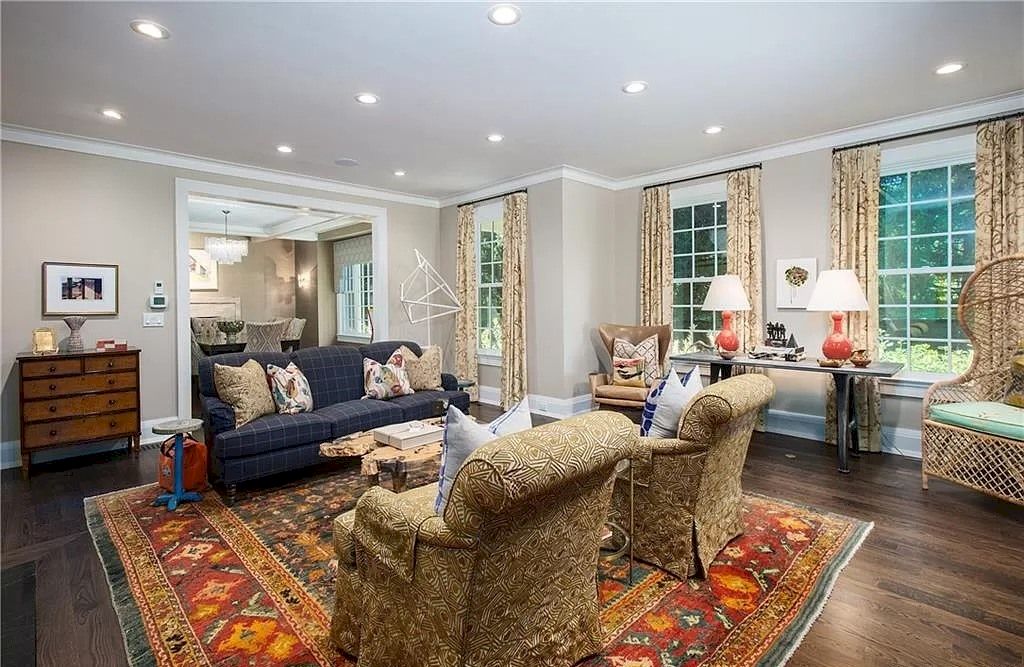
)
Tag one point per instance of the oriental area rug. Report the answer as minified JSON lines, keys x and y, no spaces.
{"x":252,"y":584}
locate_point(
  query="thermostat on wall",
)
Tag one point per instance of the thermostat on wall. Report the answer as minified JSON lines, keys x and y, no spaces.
{"x":157,"y":301}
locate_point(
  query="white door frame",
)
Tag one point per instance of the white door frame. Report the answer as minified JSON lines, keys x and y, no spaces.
{"x":183,"y":187}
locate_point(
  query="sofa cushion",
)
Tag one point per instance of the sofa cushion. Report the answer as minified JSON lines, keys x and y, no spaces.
{"x":245,"y":389}
{"x":271,"y":433}
{"x":335,"y":373}
{"x":638,"y":394}
{"x":206,"y":385}
{"x":421,"y":405}
{"x":382,"y":350}
{"x":1005,"y":421}
{"x":352,"y":416}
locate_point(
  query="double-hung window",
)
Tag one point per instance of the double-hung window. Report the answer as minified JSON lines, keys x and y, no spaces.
{"x":489,"y":246}
{"x":925,"y":254}
{"x":698,"y":255}
{"x":353,"y":263}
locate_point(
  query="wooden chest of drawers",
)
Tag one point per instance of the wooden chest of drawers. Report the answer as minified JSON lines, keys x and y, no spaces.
{"x":72,"y":398}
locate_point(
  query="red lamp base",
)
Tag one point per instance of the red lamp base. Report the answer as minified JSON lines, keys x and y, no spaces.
{"x":727,"y":342}
{"x":837,"y":346}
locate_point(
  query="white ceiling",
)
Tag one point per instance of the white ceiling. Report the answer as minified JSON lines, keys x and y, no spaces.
{"x":237,"y":79}
{"x":257,"y":219}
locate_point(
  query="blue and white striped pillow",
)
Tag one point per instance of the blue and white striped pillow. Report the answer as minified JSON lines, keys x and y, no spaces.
{"x":651,"y":404}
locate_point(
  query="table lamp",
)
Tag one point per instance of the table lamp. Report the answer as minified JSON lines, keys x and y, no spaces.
{"x":726,"y":295}
{"x":838,"y":291}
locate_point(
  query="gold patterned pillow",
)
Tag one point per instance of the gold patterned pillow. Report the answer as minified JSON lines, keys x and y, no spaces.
{"x":424,"y":371}
{"x":646,"y":350}
{"x":245,"y":389}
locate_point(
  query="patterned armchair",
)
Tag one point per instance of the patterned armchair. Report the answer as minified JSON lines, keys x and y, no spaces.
{"x":991,"y":313}
{"x":265,"y":336}
{"x":508,"y":576}
{"x":687,"y":500}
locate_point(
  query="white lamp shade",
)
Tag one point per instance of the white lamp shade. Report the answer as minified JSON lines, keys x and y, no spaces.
{"x":726,"y":293}
{"x":837,"y":289}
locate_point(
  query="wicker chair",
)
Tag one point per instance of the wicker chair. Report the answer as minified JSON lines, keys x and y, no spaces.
{"x":991,"y":313}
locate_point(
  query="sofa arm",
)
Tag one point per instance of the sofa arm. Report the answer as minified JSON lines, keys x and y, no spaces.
{"x":449,"y":382}
{"x":218,"y":416}
{"x":722,"y":402}
{"x":389,"y":526}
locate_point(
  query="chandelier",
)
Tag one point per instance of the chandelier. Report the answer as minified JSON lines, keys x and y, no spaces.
{"x":224,"y":250}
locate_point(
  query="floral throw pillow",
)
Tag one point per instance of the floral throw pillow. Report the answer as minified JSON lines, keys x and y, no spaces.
{"x":290,"y":389}
{"x":647,"y":350}
{"x":388,"y":380}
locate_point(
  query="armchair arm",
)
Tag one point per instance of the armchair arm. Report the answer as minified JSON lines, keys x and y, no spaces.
{"x":722,"y":402}
{"x":973,"y":386}
{"x":218,"y":416}
{"x":449,"y":382}
{"x":388,"y":526}
{"x":597,"y":380}
{"x":658,"y":446}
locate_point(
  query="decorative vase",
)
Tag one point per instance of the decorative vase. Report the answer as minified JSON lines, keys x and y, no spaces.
{"x":75,"y":323}
{"x":860,"y":358}
{"x":727,"y":342}
{"x":230,"y":329}
{"x":837,"y":346}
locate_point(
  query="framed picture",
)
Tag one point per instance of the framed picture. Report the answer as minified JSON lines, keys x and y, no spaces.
{"x":202,"y":270}
{"x":794,"y":281}
{"x":70,"y":288}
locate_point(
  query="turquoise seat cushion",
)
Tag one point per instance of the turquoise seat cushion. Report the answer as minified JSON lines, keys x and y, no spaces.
{"x":1000,"y":419}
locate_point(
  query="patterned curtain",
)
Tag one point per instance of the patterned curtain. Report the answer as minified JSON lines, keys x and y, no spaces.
{"x":465,"y":290}
{"x":743,"y":258}
{"x":513,"y":300}
{"x":999,"y":189}
{"x":656,"y":258}
{"x":853,"y":233}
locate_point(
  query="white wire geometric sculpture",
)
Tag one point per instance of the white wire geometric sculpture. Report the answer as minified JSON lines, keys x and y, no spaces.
{"x":418,"y":292}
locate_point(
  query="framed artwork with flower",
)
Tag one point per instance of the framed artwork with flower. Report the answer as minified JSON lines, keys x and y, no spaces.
{"x":794,"y":281}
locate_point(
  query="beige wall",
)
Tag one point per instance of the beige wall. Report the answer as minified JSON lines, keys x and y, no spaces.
{"x":65,"y":206}
{"x":306,"y":297}
{"x":264,"y":281}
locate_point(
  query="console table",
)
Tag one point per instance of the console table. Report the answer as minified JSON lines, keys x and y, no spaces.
{"x":722,"y":368}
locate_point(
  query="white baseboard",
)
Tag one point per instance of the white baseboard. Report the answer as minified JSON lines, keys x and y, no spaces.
{"x":548,"y":406}
{"x":10,"y":450}
{"x":895,"y":439}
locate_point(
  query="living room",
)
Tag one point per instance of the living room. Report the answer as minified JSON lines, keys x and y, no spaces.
{"x":815,"y":235}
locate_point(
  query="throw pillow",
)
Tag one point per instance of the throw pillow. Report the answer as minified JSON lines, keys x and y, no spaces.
{"x":628,"y":372}
{"x":290,"y":389}
{"x":647,"y":349}
{"x":386,"y":380}
{"x":647,"y":419}
{"x":425,"y":370}
{"x":245,"y":389}
{"x":463,"y":436}
{"x":1015,"y":393}
{"x":672,"y":402}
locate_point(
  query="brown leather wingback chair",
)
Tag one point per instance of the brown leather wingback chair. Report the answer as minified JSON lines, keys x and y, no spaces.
{"x":610,"y":396}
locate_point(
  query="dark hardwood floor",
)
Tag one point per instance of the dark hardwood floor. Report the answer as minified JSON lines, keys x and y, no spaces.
{"x":940,"y":580}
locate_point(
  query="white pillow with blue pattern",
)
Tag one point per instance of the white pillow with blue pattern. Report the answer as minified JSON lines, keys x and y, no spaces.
{"x":463,"y":436}
{"x":670,"y":396}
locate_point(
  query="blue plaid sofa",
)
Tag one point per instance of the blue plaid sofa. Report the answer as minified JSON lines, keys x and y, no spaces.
{"x":278,"y":443}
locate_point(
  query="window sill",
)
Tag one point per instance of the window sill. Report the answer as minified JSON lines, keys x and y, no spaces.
{"x":352,"y":338}
{"x":488,"y":359}
{"x":910,"y":384}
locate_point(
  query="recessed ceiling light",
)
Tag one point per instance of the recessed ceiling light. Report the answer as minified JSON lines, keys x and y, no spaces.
{"x":949,"y":68}
{"x":346,"y":162}
{"x":634,"y":87}
{"x":713,"y":129}
{"x":494,"y":138}
{"x":284,"y":148}
{"x":150,"y":29}
{"x":399,"y":173}
{"x":504,"y":14}
{"x":367,"y":98}
{"x":113,"y":113}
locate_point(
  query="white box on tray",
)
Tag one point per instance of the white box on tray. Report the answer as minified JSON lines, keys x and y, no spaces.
{"x":408,"y":435}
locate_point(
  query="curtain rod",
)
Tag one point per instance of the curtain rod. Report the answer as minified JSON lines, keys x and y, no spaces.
{"x":922,"y":133}
{"x":756,"y":165}
{"x":504,"y":194}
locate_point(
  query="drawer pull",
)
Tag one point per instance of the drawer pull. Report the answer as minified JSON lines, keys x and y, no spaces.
{"x":113,"y":423}
{"x":53,"y":408}
{"x":112,"y":401}
{"x":53,"y":387}
{"x":112,"y":381}
{"x":53,"y":369}
{"x":53,"y":432}
{"x":110,"y":364}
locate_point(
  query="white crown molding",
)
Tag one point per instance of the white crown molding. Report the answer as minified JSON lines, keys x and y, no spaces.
{"x":26,"y":135}
{"x":881,"y":130}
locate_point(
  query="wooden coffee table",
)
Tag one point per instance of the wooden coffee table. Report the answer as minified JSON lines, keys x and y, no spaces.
{"x":376,"y":458}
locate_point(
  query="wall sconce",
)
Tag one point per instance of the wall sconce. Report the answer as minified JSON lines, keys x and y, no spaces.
{"x":302,"y":280}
